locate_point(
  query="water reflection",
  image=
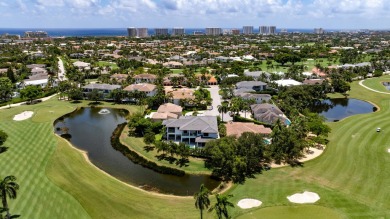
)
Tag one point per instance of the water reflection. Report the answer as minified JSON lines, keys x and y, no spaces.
{"x":339,"y":108}
{"x":91,"y":131}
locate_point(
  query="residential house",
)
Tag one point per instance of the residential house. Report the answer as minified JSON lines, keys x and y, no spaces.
{"x":287,"y":82}
{"x":192,"y":130}
{"x":82,"y":65}
{"x":209,"y":80}
{"x":237,"y":128}
{"x":173,"y":64}
{"x":178,"y":95}
{"x":167,"y":111}
{"x":174,"y":79}
{"x":258,"y":98}
{"x":105,"y":89}
{"x":313,"y":81}
{"x":119,"y":77}
{"x":145,"y":78}
{"x":253,"y":85}
{"x":268,"y":113}
{"x":149,"y":89}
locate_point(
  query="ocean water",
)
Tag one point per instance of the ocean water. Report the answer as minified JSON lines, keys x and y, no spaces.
{"x":80,"y":32}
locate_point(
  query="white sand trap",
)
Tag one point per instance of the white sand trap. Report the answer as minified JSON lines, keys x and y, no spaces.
{"x":249,"y":203}
{"x":23,"y":116}
{"x":302,"y":198}
{"x":388,"y":150}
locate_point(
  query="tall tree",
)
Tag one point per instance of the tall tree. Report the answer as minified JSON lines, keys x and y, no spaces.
{"x":221,"y":207}
{"x":224,"y":108}
{"x":6,"y":88}
{"x":202,"y":200}
{"x":31,"y":92}
{"x":8,"y":189}
{"x":3,"y":138}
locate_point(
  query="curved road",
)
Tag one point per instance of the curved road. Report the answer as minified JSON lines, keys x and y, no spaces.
{"x":361,"y":84}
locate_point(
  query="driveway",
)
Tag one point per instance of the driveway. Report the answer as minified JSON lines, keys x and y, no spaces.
{"x":214,"y":91}
{"x":61,"y":72}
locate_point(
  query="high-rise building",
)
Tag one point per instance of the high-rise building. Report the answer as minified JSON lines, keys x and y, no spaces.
{"x":236,"y":32}
{"x":319,"y":31}
{"x":161,"y":31}
{"x":132,"y":31}
{"x":178,"y":31}
{"x":247,"y":30}
{"x":272,"y":29}
{"x":267,"y":30}
{"x":264,"y":30}
{"x":35,"y":34}
{"x":142,"y":32}
{"x":213,"y":31}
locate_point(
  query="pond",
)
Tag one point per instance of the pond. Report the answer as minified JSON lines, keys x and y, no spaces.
{"x":339,"y":108}
{"x":387,"y":85}
{"x":90,"y":130}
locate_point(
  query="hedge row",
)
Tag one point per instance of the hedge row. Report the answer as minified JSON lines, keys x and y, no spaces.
{"x":136,"y":158}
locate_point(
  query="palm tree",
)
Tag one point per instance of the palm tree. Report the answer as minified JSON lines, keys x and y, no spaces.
{"x":8,"y":188}
{"x":224,"y":108}
{"x":221,"y":206}
{"x":202,"y":200}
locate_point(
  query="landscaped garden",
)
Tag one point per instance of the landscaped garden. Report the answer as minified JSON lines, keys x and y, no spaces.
{"x":56,"y":181}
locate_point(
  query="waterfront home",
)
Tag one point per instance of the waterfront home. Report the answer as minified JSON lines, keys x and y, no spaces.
{"x":268,"y":113}
{"x":195,"y":131}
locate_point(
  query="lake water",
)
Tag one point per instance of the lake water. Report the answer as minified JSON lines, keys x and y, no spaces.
{"x":91,"y":132}
{"x":387,"y":85}
{"x":340,"y":108}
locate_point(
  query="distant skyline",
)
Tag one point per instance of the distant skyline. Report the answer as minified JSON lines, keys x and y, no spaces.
{"x":328,"y":14}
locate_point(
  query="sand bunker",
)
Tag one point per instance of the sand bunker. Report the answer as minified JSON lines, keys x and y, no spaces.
{"x":23,"y":116}
{"x":302,"y":198}
{"x":248,"y":203}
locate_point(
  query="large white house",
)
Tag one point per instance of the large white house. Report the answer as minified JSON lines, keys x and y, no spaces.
{"x":192,"y":130}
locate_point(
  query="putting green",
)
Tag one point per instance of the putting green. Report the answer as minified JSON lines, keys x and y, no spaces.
{"x":293,"y":212}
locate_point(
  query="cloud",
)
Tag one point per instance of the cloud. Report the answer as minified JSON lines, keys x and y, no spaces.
{"x":336,"y":8}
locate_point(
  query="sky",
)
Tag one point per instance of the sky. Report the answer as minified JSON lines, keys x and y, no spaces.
{"x":328,"y":14}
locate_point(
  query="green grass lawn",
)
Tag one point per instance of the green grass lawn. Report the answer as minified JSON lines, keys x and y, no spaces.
{"x":376,"y":83}
{"x":352,"y":177}
{"x":111,"y":64}
{"x":195,"y":165}
{"x":293,"y":212}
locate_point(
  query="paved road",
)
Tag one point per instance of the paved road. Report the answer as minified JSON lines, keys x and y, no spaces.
{"x":61,"y":73}
{"x":23,"y":103}
{"x":214,"y":91}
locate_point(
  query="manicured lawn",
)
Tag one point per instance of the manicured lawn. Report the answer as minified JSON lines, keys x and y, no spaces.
{"x":111,"y":64}
{"x":352,"y":176}
{"x":293,"y":212}
{"x":137,"y":144}
{"x":376,"y":83}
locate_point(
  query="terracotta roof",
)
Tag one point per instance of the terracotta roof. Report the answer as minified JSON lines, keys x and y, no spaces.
{"x":183,"y":93}
{"x":144,"y":87}
{"x":145,"y":76}
{"x":237,"y":128}
{"x":170,"y":107}
{"x":318,"y":72}
{"x":163,"y":116}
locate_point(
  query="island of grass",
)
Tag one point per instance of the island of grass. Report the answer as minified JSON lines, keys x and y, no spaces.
{"x":58,"y":182}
